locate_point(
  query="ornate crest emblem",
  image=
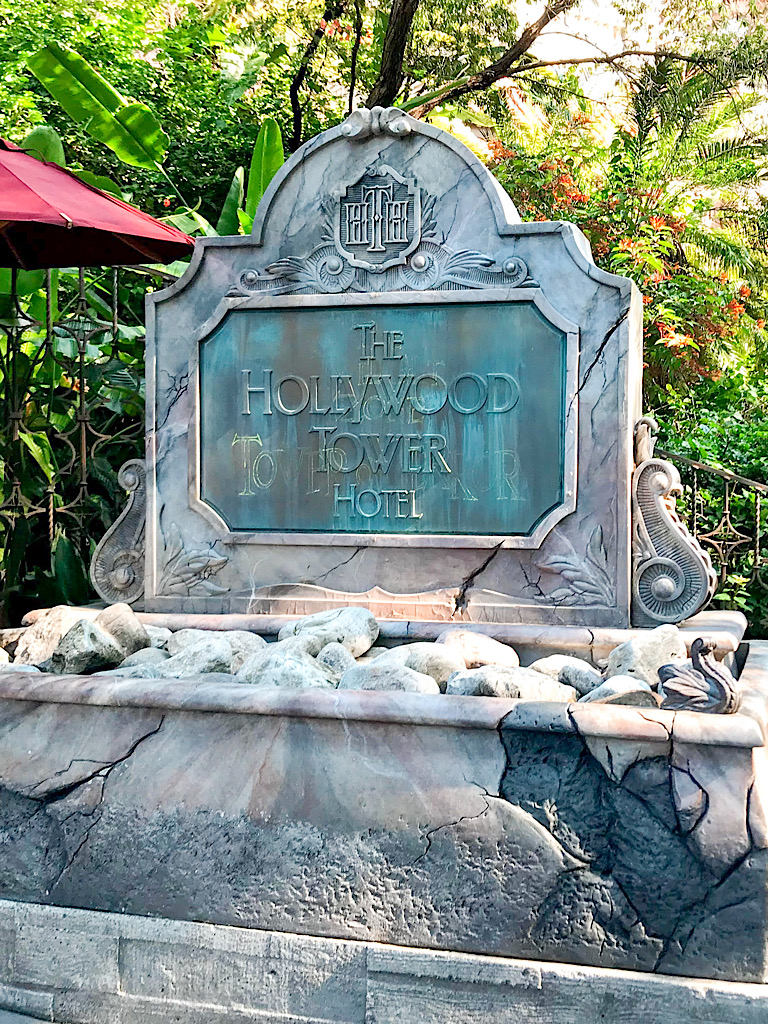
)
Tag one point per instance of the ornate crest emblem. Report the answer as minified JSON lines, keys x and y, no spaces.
{"x":379,"y":219}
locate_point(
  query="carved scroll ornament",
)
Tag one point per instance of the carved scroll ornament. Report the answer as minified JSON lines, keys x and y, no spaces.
{"x":117,"y":566}
{"x":673,"y":576}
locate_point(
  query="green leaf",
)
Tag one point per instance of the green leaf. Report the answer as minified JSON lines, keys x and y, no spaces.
{"x":246,"y":222}
{"x":227,"y":224}
{"x":40,"y":449}
{"x":129,"y":129}
{"x":99,"y":181}
{"x":44,"y":143}
{"x":267,"y":159}
{"x":69,"y":572}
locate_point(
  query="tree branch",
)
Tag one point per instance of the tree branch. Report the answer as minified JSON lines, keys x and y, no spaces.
{"x":502,"y":67}
{"x":482,"y":80}
{"x":332,"y":10}
{"x":390,"y":78}
{"x":355,"y":50}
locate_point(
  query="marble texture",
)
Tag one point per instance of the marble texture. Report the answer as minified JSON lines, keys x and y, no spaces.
{"x":195,"y":565}
{"x":609,"y":836}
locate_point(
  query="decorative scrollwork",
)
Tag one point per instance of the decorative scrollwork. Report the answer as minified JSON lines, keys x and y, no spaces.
{"x":431,"y":266}
{"x":702,"y":684}
{"x":117,"y":566}
{"x":673,"y":576}
{"x":363,"y":123}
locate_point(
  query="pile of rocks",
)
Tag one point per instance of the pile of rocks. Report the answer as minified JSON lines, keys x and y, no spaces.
{"x":333,"y":649}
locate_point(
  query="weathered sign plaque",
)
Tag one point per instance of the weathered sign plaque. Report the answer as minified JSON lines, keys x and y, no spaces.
{"x":393,"y":393}
{"x":409,"y":416}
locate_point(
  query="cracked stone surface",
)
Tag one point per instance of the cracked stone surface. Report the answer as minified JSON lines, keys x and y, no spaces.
{"x":606,"y":851}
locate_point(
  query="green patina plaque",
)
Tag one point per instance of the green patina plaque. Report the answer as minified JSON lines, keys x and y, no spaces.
{"x":423,"y":419}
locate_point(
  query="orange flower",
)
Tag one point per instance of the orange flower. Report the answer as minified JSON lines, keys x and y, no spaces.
{"x":658,"y":223}
{"x":760,"y":324}
{"x":647,"y":300}
{"x":723,"y":277}
{"x":735,"y":309}
{"x":745,"y":291}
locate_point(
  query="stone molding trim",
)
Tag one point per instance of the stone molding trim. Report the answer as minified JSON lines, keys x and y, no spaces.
{"x":673,"y":576}
{"x":117,"y":566}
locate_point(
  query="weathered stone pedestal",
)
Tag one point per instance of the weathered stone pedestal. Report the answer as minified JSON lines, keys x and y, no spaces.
{"x":259,"y":833}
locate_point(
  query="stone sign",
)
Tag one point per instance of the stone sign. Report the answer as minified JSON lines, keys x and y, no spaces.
{"x":395,"y":393}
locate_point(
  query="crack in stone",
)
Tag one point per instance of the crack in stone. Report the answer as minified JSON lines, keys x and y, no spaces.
{"x":598,"y":356}
{"x":177,"y":388}
{"x":464,"y":817}
{"x":316,"y":579}
{"x":103,"y":774}
{"x":460,"y":601}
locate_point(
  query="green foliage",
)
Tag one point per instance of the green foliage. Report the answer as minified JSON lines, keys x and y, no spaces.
{"x":266,"y":161}
{"x":130,"y":130}
{"x":45,"y":144}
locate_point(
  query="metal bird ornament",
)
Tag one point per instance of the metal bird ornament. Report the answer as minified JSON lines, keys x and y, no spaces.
{"x":701,"y":684}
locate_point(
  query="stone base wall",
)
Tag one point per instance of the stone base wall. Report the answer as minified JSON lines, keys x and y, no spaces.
{"x":85,"y":967}
{"x":604,"y":836}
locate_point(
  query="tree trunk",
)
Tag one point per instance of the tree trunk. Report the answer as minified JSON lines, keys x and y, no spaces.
{"x":390,"y":78}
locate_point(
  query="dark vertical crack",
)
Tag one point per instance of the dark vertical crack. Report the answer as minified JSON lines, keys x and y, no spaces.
{"x":460,"y":601}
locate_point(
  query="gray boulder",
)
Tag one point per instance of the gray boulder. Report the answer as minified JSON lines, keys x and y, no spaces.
{"x":477,"y":649}
{"x":146,"y":656}
{"x":387,"y":677}
{"x":485,"y":681}
{"x":243,"y":644}
{"x":4,"y":656}
{"x":13,"y":667}
{"x":158,"y":635}
{"x":435,"y":660}
{"x":355,"y":628}
{"x":84,"y":648}
{"x":183,"y":638}
{"x":286,"y":666}
{"x":119,"y":620}
{"x":212,"y":654}
{"x":643,"y":655}
{"x":38,"y":642}
{"x":337,"y":658}
{"x":622,"y":690}
{"x":572,"y":671}
{"x":534,"y":685}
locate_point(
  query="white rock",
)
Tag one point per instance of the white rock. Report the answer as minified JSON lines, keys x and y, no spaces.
{"x":119,"y":620}
{"x":289,"y":667}
{"x":477,"y":649}
{"x":390,"y":677}
{"x":572,"y":671}
{"x":40,"y":640}
{"x":536,"y":686}
{"x":643,"y":655}
{"x":19,"y":668}
{"x":158,"y":635}
{"x":4,"y":656}
{"x":435,"y":660}
{"x":243,"y":643}
{"x":355,"y":628}
{"x":337,"y":658}
{"x":86,"y":647}
{"x":146,"y":656}
{"x":622,"y":690}
{"x":486,"y":681}
{"x":183,"y":638}
{"x":212,"y":654}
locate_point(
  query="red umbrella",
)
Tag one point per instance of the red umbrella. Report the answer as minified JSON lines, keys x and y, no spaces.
{"x":49,"y":218}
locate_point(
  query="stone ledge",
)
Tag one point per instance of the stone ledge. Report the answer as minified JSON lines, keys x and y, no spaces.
{"x":281,"y":978}
{"x":484,"y":713}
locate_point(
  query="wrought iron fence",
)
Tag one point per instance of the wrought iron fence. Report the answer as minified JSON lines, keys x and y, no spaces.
{"x":726,"y":513}
{"x":71,"y":392}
